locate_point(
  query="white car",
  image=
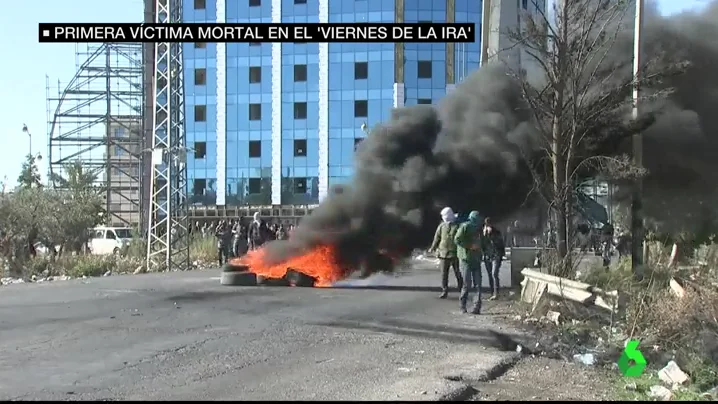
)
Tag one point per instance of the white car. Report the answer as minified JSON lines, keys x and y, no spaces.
{"x":110,"y":240}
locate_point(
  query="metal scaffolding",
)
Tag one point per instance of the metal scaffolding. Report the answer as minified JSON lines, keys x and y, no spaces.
{"x":168,"y":241}
{"x":96,"y":121}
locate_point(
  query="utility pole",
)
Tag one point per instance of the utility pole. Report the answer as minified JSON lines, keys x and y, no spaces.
{"x":167,"y":235}
{"x":29,"y":137}
{"x":637,"y":226}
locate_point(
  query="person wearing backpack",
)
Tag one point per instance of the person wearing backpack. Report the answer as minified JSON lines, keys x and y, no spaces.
{"x":468,"y":241}
{"x":445,"y":249}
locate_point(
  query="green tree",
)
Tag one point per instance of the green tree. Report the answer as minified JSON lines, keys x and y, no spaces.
{"x":78,"y":206}
{"x":77,"y":178}
{"x":29,"y":173}
{"x":56,"y":218}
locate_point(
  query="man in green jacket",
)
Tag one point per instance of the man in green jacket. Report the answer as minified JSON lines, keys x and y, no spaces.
{"x":445,"y":249}
{"x":468,"y":243}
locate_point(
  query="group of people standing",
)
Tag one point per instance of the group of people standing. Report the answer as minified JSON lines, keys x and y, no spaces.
{"x":463,"y":247}
{"x":235,"y":238}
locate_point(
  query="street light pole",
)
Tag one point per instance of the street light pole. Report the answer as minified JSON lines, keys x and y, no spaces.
{"x":637,"y":230}
{"x":29,"y":137}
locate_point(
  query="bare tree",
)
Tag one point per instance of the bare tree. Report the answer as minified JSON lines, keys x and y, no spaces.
{"x":578,"y":84}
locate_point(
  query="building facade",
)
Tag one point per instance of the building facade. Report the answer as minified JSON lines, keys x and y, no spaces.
{"x":122,"y":176}
{"x":277,"y":124}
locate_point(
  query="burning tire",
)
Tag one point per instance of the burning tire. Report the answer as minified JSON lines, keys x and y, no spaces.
{"x":262,"y":281}
{"x":230,"y":267}
{"x":237,"y":275}
{"x":299,"y":279}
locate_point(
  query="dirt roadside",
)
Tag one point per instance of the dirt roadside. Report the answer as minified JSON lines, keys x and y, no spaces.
{"x":542,"y":379}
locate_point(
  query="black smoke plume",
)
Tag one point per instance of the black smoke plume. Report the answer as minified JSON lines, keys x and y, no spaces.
{"x":681,"y":147}
{"x":466,"y":153}
{"x":469,"y":153}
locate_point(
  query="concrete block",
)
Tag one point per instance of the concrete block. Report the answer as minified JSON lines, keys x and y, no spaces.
{"x":672,"y":374}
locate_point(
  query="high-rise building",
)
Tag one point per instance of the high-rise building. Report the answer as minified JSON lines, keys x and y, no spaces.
{"x":277,"y":124}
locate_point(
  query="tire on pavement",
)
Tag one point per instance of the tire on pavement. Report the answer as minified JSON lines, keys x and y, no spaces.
{"x":229,"y":267}
{"x":298,"y":279}
{"x":238,"y":278}
{"x":263,"y":281}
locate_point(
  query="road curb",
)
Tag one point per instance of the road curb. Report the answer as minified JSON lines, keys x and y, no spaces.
{"x":459,"y":393}
{"x":465,"y":381}
{"x":500,"y":368}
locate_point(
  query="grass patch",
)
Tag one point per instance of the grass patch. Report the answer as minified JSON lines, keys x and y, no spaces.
{"x":203,"y":249}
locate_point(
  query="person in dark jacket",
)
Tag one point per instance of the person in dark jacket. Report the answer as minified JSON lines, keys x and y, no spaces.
{"x":223,"y":234}
{"x":623,"y":244}
{"x":282,"y":233}
{"x":606,"y":243}
{"x":445,"y":249}
{"x":468,"y":250}
{"x":239,"y":239}
{"x":258,"y":232}
{"x":494,"y":249}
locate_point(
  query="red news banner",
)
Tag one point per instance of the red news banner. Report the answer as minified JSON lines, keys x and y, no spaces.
{"x":355,"y":32}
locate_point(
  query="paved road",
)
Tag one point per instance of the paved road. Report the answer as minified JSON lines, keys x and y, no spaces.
{"x":183,"y":336}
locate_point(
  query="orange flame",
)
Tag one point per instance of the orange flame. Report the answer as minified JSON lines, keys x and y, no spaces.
{"x":320,"y":263}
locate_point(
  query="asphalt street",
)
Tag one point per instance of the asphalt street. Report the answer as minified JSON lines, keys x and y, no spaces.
{"x":184,"y":336}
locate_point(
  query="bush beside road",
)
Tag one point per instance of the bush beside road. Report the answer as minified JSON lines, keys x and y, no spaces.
{"x":671,"y":310}
{"x":45,"y":268}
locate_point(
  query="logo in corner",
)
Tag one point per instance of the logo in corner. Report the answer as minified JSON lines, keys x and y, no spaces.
{"x":632,"y":363}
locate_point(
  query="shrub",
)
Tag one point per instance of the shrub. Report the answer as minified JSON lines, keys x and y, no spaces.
{"x":203,"y":250}
{"x":685,"y":327}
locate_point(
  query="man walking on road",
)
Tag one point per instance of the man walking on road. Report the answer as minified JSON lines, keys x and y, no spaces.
{"x":445,"y":249}
{"x":468,"y":243}
{"x":492,"y":245}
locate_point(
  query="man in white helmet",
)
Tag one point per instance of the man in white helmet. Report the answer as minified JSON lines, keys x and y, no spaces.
{"x":445,"y":249}
{"x":257,"y":233}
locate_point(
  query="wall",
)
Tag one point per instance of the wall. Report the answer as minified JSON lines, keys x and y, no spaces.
{"x":201,"y":109}
{"x":425,"y":63}
{"x":249,"y":111}
{"x":355,"y":98}
{"x":505,"y":16}
{"x":299,"y":153}
{"x":123,"y":174}
{"x":467,"y":56}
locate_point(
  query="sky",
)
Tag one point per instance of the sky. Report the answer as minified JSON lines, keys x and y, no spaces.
{"x":26,"y":63}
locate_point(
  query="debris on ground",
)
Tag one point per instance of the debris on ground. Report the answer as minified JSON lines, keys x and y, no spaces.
{"x":11,"y":281}
{"x":672,"y":374}
{"x":660,"y":393}
{"x":711,"y":394}
{"x":587,"y":359}
{"x":676,"y":288}
{"x":559,"y":380}
{"x":553,"y":316}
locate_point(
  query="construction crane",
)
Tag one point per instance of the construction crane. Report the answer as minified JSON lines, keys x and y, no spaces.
{"x":167,"y":230}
